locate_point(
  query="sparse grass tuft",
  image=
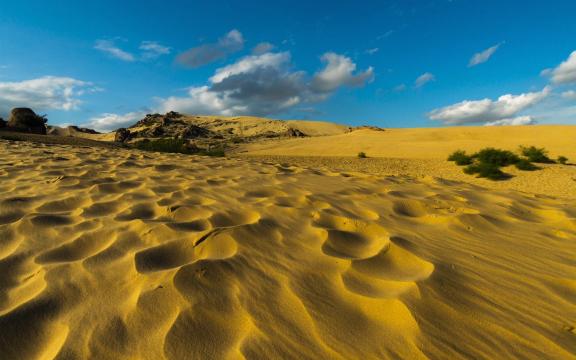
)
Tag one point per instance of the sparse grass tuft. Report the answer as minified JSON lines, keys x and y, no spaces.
{"x":362,"y":155}
{"x":460,"y":158}
{"x":537,"y":155}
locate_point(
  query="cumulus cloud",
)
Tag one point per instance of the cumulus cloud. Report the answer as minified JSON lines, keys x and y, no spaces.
{"x":565,"y":73}
{"x":45,"y":93}
{"x":520,"y":120}
{"x":483,"y":56}
{"x":108,"y":121}
{"x":262,"y":48}
{"x":110,"y":48}
{"x":487,"y":110}
{"x":423,"y":80}
{"x":339,"y":71}
{"x":570,"y":94}
{"x":204,"y":54}
{"x":153,"y":49}
{"x":265,"y":84}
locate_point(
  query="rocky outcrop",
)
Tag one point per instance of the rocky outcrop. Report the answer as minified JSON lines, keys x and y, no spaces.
{"x":83,"y":130}
{"x":2,"y":123}
{"x":26,"y":120}
{"x":294,"y":133}
{"x":122,"y":135}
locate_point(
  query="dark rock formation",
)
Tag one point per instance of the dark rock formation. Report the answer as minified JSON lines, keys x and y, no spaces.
{"x":122,"y":135}
{"x":2,"y":123}
{"x":26,"y":120}
{"x":83,"y":130}
{"x":192,"y":131}
{"x":295,"y":133}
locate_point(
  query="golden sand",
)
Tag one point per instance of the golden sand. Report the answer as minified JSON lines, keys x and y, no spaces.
{"x":118,"y":254}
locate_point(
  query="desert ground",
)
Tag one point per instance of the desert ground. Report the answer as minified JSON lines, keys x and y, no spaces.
{"x":289,"y":249}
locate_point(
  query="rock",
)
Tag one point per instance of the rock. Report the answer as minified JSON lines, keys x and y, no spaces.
{"x":26,"y":120}
{"x":192,"y":131}
{"x":122,"y":135}
{"x":295,"y":133}
{"x":83,"y":130}
{"x":2,"y":123}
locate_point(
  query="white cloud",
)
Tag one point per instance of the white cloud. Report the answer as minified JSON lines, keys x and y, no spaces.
{"x":339,"y":71}
{"x":570,"y":94}
{"x":45,"y":93}
{"x":483,"y":56}
{"x":372,"y":51}
{"x":250,"y":64}
{"x":153,"y":49}
{"x":486,"y":110}
{"x":265,"y":84}
{"x":107,"y":122}
{"x":109,"y":47}
{"x":201,"y":55}
{"x":262,"y":48}
{"x":400,"y":88}
{"x":520,"y":120}
{"x":564,"y":73}
{"x":424,"y":79}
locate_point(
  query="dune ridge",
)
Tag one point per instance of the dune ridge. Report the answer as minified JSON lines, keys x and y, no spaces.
{"x":120,"y":254}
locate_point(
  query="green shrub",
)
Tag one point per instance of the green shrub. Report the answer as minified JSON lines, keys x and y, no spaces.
{"x":362,"y":155}
{"x":496,"y":157}
{"x":486,"y":170}
{"x":537,"y":155}
{"x":460,"y":158}
{"x":526,"y":165}
{"x":213,"y":152}
{"x":562,"y":160}
{"x":165,"y":145}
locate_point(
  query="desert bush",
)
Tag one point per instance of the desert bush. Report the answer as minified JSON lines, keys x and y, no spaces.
{"x":537,"y":155}
{"x":165,"y":145}
{"x":526,"y":165}
{"x":213,"y":152}
{"x":460,"y":158}
{"x":496,"y":157}
{"x":486,"y":170}
{"x":562,"y":160}
{"x":362,"y":155}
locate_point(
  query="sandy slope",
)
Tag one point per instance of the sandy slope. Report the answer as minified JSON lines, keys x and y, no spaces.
{"x":425,"y":143}
{"x":112,"y":254}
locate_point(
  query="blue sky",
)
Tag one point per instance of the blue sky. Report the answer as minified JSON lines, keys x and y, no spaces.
{"x":402,"y":63}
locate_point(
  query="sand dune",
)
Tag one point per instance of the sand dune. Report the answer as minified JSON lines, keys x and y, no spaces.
{"x":424,"y":143}
{"x":118,"y":254}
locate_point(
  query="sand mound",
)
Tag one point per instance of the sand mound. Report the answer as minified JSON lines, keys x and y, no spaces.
{"x":117,"y":254}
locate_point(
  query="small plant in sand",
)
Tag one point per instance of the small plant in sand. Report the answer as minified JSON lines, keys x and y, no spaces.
{"x":526,"y":165}
{"x":562,"y":160}
{"x":486,"y":170}
{"x":362,"y":155}
{"x":460,"y":158}
{"x":496,"y":157}
{"x":537,"y":155}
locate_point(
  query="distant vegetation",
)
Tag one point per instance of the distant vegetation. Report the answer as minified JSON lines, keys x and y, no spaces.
{"x":537,"y":155}
{"x":362,"y":155}
{"x":487,"y":162}
{"x":179,"y":146}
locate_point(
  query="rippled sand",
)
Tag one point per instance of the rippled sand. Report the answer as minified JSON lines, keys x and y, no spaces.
{"x":117,"y":254}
